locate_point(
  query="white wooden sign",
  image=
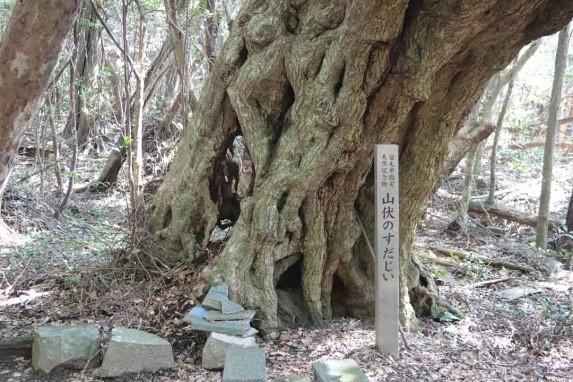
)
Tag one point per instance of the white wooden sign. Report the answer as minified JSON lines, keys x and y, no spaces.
{"x":387,"y":249}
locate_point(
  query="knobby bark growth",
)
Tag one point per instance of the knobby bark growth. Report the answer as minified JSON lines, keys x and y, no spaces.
{"x":26,"y":64}
{"x":549,"y":151}
{"x":311,"y":86}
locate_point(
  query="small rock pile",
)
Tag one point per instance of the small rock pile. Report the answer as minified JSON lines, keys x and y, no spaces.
{"x":230,"y":328}
{"x":232,"y":347}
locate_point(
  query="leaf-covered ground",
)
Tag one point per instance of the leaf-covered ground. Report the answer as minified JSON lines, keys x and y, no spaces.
{"x":60,"y":272}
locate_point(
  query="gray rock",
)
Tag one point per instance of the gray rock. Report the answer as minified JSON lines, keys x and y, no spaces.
{"x":250,"y":333}
{"x":512,"y":294}
{"x":196,"y":317}
{"x":72,"y":346}
{"x":134,"y":351}
{"x":294,"y":378}
{"x":346,"y":370}
{"x":239,"y":328}
{"x":230,"y":307}
{"x":215,"y":296}
{"x":245,"y":365}
{"x":213,"y":315}
{"x":214,"y":350}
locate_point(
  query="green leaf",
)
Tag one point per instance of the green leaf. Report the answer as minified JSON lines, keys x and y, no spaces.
{"x":127,"y":141}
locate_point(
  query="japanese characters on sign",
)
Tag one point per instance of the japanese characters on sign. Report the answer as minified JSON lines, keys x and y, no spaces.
{"x":387,"y":218}
{"x":387,"y":248}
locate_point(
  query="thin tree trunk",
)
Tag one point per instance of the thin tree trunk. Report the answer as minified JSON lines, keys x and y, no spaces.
{"x":178,"y":43}
{"x":493,"y":158}
{"x":491,"y":94}
{"x":115,"y":92}
{"x":26,"y":65}
{"x":554,"y":104}
{"x":209,"y":33}
{"x":470,"y":135}
{"x":161,"y":64}
{"x":136,"y":146}
{"x":569,"y":220}
{"x":173,"y":107}
{"x":87,"y":69}
{"x":74,"y":95}
{"x":56,"y":147}
{"x":469,"y":171}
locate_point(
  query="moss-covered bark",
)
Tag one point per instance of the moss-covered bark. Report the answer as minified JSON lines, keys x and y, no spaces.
{"x":311,"y":86}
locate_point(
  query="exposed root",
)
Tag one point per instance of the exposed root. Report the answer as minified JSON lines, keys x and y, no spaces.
{"x":425,"y":298}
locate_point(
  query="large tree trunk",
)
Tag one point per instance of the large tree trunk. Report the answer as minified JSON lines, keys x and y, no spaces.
{"x":549,"y":151}
{"x":311,"y":86}
{"x":28,"y":53}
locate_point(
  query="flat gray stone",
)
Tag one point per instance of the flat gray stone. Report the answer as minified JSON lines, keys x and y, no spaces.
{"x":250,"y":333}
{"x":214,"y":350}
{"x":230,"y":307}
{"x":135,"y":351}
{"x":73,"y":346}
{"x":213,"y":315}
{"x":245,"y":365}
{"x":239,"y":328}
{"x":294,"y":378}
{"x":196,"y":317}
{"x":215,"y":296}
{"x":345,"y":370}
{"x":512,"y":294}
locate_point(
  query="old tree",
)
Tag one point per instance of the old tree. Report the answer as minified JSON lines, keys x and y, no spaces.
{"x":311,"y":86}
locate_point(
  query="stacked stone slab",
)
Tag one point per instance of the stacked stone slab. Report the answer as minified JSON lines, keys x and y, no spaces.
{"x":229,"y":325}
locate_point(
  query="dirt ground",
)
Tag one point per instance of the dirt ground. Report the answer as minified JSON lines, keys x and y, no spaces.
{"x":60,"y":272}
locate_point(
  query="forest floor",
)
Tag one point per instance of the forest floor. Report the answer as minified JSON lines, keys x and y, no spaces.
{"x":62,"y":272}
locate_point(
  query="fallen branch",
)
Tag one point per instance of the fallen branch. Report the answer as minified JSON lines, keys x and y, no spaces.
{"x":436,"y":260}
{"x":463,"y":255}
{"x":491,"y":282}
{"x":558,"y":145}
{"x":479,"y":206}
{"x":510,"y":214}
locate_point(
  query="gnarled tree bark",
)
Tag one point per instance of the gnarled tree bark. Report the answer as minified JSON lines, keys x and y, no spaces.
{"x":311,"y":86}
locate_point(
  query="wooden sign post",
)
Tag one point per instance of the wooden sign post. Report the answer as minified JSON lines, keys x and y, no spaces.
{"x":387,"y":249}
